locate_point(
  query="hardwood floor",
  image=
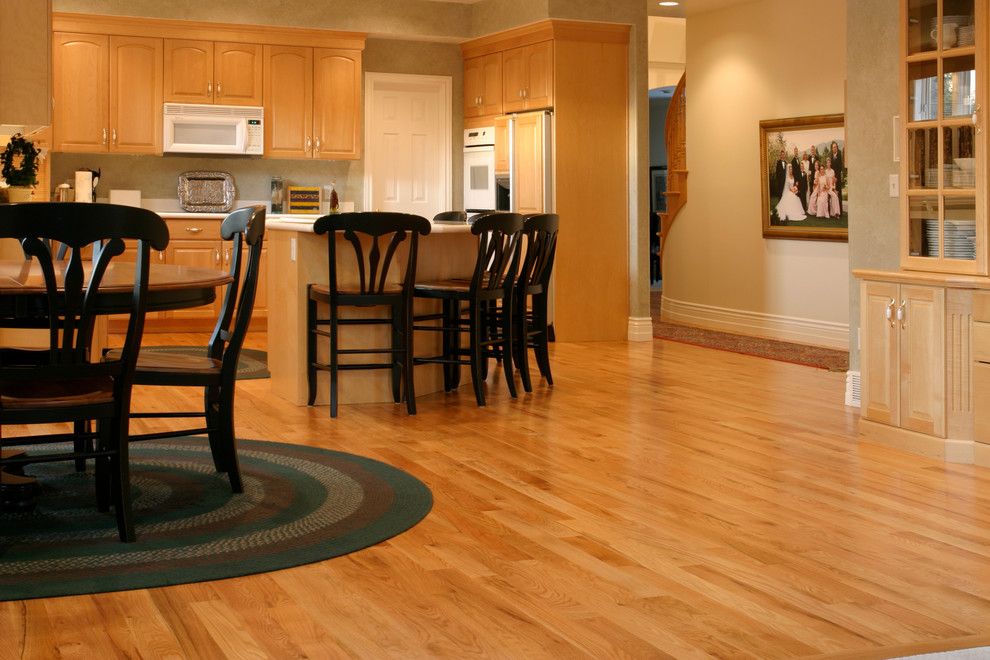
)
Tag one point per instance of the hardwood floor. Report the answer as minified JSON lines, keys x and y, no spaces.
{"x":661,"y":500}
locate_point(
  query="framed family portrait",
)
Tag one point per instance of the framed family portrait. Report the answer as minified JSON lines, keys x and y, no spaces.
{"x":804,"y":178}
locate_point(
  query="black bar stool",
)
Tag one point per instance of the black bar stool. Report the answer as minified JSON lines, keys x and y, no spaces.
{"x":493,"y":280}
{"x":530,"y":298}
{"x":374,"y":289}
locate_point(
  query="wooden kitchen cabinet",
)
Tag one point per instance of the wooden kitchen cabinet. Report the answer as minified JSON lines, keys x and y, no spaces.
{"x":502,"y":145}
{"x":903,"y":356}
{"x":225,"y":73}
{"x":80,"y":80}
{"x":336,"y":104}
{"x":529,"y":163}
{"x":107,"y":93}
{"x":312,"y":102}
{"x":483,"y":85}
{"x":527,"y":77}
{"x":197,"y":253}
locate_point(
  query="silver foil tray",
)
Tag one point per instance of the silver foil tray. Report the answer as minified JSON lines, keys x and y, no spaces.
{"x":206,"y":192}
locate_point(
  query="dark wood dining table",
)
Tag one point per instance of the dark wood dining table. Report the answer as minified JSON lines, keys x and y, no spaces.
{"x":24,"y":304}
{"x":23,"y":294}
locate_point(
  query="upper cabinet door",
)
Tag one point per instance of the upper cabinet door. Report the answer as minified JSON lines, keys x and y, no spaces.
{"x":135,"y":95}
{"x":513,"y":79}
{"x":80,"y":67}
{"x":527,"y":77}
{"x":188,"y":71}
{"x":483,"y":85}
{"x":288,"y":100}
{"x":337,"y":103}
{"x":474,"y":86}
{"x":539,"y":73}
{"x":237,"y":74}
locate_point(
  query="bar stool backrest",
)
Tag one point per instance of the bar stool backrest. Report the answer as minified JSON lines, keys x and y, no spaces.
{"x":498,"y":251}
{"x":540,"y":231}
{"x":390,"y":229}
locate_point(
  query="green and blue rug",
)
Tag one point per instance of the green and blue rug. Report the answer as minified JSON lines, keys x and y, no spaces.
{"x":300,"y":505}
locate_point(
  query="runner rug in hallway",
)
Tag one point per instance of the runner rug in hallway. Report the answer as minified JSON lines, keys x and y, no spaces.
{"x":300,"y":505}
{"x":812,"y":356}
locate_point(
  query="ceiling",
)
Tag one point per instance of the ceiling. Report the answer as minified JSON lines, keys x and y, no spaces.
{"x":689,"y":7}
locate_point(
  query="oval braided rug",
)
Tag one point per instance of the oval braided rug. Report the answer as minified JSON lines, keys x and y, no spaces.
{"x":299,"y":505}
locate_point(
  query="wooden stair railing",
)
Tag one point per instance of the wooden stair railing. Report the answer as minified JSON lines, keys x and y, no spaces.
{"x":676,"y":138}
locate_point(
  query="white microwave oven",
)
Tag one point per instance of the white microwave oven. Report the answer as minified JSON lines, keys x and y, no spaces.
{"x":214,"y":129}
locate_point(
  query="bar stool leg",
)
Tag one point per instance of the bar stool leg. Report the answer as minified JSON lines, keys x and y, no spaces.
{"x":310,"y":348}
{"x":520,"y":343}
{"x":407,"y":357}
{"x":333,"y":361}
{"x":477,"y":379}
{"x":506,"y":351}
{"x":397,"y":312}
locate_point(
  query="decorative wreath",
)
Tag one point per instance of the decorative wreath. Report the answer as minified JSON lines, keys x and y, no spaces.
{"x":20,"y":172}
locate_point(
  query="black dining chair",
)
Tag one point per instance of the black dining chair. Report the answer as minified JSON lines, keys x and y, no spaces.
{"x":491,"y":283}
{"x":376,"y":287}
{"x":216,"y":370}
{"x":531,"y":327}
{"x":62,"y":383}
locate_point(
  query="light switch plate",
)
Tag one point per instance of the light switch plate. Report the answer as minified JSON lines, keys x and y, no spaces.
{"x":895,"y":185}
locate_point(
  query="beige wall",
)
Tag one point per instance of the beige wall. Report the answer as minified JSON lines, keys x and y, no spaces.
{"x":744,"y":65}
{"x":874,"y":61}
{"x":668,"y":50}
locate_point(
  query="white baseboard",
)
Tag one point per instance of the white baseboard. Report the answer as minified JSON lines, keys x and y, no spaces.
{"x":853,"y":389}
{"x":640,"y":328}
{"x":757,"y":324}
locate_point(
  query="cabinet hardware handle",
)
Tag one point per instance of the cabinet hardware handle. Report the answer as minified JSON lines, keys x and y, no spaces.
{"x":209,"y":88}
{"x":194,"y":230}
{"x":113,"y":136}
{"x":520,"y":93}
{"x":217,"y":256}
{"x":104,"y":136}
{"x":219,"y":89}
{"x":317,"y":145}
{"x":902,"y":313}
{"x":309,"y":143}
{"x":161,"y":256}
{"x":976,"y":118}
{"x":890,"y":312}
{"x":226,"y":255}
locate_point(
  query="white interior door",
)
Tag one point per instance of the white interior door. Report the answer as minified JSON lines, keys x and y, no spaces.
{"x":408,"y":163}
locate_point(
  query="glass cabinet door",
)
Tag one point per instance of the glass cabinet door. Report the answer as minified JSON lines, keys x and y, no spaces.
{"x":943,"y":153}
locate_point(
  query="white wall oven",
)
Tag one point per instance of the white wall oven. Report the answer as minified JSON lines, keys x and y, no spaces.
{"x":479,"y":169}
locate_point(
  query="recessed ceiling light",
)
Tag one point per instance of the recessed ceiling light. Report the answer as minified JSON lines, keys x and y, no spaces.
{"x":668,"y":3}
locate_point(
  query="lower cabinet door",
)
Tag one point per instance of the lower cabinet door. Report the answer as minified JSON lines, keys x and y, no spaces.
{"x":922,"y":359}
{"x":879,"y":356}
{"x":200,"y":254}
{"x":981,"y":402}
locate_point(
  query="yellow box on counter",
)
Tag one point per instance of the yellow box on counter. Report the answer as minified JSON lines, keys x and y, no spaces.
{"x":303,"y":199}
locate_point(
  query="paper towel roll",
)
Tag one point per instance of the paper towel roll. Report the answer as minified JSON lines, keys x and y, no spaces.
{"x":84,"y":186}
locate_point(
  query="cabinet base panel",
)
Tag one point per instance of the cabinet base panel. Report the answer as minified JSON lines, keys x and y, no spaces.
{"x":950,"y":450}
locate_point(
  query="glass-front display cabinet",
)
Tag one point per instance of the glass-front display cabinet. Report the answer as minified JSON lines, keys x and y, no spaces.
{"x":943,"y":159}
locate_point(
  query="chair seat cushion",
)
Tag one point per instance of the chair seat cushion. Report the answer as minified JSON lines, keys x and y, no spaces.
{"x":172,"y":363}
{"x":322,"y":291}
{"x":51,"y":394}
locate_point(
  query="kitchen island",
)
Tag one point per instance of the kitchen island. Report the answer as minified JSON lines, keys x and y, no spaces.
{"x":298,"y":257}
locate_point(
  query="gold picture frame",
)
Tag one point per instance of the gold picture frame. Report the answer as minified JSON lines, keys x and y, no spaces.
{"x":807,"y":197}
